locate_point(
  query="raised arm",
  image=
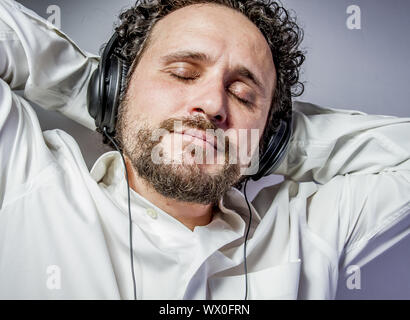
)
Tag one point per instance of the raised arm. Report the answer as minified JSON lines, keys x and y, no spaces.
{"x":330,"y":142}
{"x":44,"y":62}
{"x":361,"y":165}
{"x":54,"y":73}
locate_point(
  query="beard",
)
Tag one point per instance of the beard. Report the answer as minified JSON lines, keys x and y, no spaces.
{"x":185,"y":182}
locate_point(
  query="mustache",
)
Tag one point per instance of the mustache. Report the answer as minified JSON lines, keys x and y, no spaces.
{"x":195,"y":122}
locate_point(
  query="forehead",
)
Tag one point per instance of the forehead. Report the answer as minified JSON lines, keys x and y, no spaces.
{"x":219,"y":31}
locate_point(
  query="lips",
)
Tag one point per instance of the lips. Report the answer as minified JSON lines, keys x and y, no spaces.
{"x":209,"y":138}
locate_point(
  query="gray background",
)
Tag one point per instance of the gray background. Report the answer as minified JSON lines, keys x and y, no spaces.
{"x":363,"y":69}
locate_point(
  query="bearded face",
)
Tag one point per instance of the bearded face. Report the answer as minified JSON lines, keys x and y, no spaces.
{"x":176,"y":164}
{"x":205,"y":79}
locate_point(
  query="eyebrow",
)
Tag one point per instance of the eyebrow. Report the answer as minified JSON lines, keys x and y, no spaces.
{"x":203,"y":57}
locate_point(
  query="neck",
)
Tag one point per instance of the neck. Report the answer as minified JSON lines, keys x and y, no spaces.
{"x":189,"y":214}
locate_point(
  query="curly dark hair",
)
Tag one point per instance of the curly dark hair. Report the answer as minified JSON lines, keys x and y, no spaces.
{"x":279,"y":28}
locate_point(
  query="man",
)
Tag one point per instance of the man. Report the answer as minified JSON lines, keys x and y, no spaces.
{"x":64,"y":230}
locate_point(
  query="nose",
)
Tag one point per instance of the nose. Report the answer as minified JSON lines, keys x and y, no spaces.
{"x":211,"y":100}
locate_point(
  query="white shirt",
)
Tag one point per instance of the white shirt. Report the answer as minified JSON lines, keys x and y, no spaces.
{"x":64,"y":230}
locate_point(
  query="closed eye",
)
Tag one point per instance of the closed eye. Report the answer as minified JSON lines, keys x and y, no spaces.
{"x":187,"y":79}
{"x":191,"y":79}
{"x":245,"y":102}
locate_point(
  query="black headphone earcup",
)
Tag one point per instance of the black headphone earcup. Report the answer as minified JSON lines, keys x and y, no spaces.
{"x":115,"y":86}
{"x":112,"y":91}
{"x":105,"y":87}
{"x":275,"y":150}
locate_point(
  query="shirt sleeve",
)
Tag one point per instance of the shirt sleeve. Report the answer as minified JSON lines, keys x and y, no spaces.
{"x":361,"y":164}
{"x":54,"y":73}
{"x":330,"y":142}
{"x":41,"y":60}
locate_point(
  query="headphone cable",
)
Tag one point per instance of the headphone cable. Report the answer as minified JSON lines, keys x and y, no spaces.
{"x":129,"y":213}
{"x":130,"y":225}
{"x":244,"y":245}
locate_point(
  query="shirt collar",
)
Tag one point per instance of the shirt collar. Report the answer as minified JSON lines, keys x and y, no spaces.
{"x":229,"y":223}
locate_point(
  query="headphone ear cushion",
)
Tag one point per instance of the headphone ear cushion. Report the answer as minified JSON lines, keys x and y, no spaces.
{"x":124,"y":73}
{"x":94,"y":103}
{"x":104,"y":87}
{"x":275,"y":151}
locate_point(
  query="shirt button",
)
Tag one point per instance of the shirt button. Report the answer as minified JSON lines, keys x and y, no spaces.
{"x":152,"y":213}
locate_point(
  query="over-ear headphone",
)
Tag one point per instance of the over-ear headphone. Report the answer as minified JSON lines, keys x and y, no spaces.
{"x":106,"y":86}
{"x":108,"y":82}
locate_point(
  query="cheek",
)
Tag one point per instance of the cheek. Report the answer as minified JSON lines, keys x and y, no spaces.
{"x":155,"y":99}
{"x":250,"y":123}
{"x":259,"y":124}
{"x":249,"y":135}
{"x":245,"y":140}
